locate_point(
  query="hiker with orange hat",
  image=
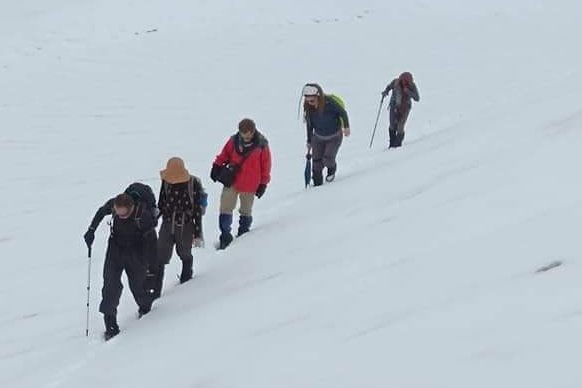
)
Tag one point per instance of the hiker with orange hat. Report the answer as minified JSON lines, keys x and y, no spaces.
{"x":403,"y":90}
{"x":182,"y":203}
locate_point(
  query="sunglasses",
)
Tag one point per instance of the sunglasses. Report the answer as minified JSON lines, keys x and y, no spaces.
{"x":311,"y":99}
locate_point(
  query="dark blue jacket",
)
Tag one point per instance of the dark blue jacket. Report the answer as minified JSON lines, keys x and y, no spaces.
{"x":327,"y":122}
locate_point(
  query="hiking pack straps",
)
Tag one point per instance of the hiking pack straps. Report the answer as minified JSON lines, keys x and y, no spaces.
{"x":138,"y":214}
{"x":136,"y":217}
{"x":245,"y":156}
{"x":190,"y":189}
{"x":230,"y":170}
{"x":193,"y":203}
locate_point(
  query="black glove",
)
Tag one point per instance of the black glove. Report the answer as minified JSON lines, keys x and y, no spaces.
{"x":261,"y":190}
{"x":384,"y":94}
{"x":89,"y":237}
{"x":215,"y":172}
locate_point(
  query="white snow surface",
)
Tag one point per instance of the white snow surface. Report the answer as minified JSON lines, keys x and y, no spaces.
{"x":416,"y":268}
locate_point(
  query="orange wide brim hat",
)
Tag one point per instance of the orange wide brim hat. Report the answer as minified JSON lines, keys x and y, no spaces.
{"x":175,"y":172}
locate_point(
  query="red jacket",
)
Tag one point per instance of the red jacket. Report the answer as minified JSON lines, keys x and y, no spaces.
{"x":254,"y":170}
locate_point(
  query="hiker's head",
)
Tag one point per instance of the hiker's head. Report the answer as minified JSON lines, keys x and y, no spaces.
{"x":123,"y":205}
{"x":314,"y":97}
{"x":405,"y":79}
{"x":247,"y":130}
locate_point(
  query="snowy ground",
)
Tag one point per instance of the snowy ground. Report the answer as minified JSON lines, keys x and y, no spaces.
{"x":416,"y":268}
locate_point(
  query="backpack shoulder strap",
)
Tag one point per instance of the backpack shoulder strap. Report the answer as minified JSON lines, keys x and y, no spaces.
{"x":138,"y":213}
{"x":191,"y":190}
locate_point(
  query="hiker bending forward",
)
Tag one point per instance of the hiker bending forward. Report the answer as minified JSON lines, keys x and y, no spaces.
{"x":403,"y":90}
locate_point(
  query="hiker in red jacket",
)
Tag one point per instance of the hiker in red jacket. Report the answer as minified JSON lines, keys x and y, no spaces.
{"x":244,"y":168}
{"x":403,"y":91}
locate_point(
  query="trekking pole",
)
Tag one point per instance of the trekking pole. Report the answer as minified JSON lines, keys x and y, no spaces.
{"x":307,"y":173}
{"x":376,"y":124}
{"x":88,"y":290}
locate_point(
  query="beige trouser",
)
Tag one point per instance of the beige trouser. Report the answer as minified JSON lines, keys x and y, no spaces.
{"x":228,"y":200}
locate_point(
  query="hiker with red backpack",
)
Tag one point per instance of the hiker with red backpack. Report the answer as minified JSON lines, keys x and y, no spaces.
{"x":244,"y":168}
{"x":130,"y":248}
{"x":403,"y":91}
{"x":327,"y":123}
{"x":182,"y":204}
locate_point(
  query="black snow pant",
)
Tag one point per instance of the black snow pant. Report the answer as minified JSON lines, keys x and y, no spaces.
{"x":324,"y":153}
{"x":180,"y":236}
{"x":398,"y":117}
{"x":118,"y":259}
{"x":151,"y":253}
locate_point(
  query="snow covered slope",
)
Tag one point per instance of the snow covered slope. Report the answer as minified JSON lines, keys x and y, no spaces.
{"x":416,"y":268}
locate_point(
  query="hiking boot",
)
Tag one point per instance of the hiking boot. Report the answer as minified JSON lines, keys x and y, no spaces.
{"x":225,"y":223}
{"x":393,"y":139}
{"x":244,"y":225}
{"x":330,"y":174}
{"x":317,"y":179}
{"x":184,"y":277}
{"x":143,"y":310}
{"x":225,"y":240}
{"x":399,"y":139}
{"x":111,"y":326}
{"x":187,"y":273}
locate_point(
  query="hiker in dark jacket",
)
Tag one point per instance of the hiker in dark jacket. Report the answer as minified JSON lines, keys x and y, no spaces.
{"x":127,"y":250}
{"x":403,"y":91}
{"x":182,"y":204}
{"x":325,"y":120}
{"x":244,"y":168}
{"x":140,"y":192}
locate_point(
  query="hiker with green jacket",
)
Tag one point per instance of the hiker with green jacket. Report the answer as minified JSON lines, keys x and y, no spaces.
{"x":327,"y":123}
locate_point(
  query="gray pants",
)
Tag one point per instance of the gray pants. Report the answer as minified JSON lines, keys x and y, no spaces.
{"x":324,"y":152}
{"x":181,"y":236}
{"x":117,"y":260}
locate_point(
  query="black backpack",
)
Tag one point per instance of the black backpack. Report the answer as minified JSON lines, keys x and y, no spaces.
{"x":142,"y":193}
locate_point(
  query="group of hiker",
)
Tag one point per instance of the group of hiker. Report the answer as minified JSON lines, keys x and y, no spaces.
{"x":328,"y":123}
{"x":243,"y":167}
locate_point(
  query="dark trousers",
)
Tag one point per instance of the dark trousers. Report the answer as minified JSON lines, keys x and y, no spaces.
{"x":180,"y":236}
{"x":398,"y":117}
{"x":117,"y":260}
{"x":324,"y":153}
